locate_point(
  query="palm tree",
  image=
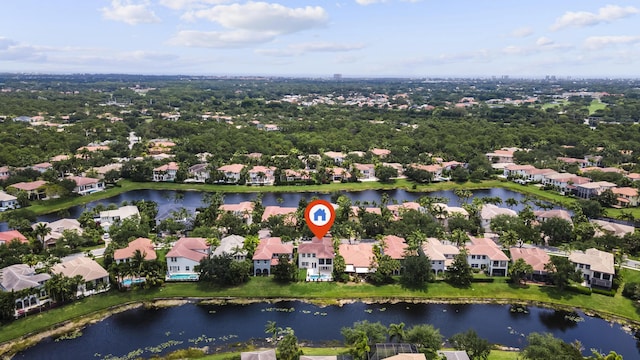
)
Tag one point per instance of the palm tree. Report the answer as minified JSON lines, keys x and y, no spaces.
{"x":459,"y":237}
{"x":273,"y":329}
{"x":361,"y":346}
{"x":137,"y":262}
{"x":41,"y":230}
{"x":396,"y":331}
{"x":511,"y":202}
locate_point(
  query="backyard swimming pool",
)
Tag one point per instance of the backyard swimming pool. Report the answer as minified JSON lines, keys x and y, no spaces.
{"x":182,"y":277}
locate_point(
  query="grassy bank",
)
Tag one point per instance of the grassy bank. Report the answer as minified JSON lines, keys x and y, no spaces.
{"x":329,"y":293}
{"x":55,"y":205}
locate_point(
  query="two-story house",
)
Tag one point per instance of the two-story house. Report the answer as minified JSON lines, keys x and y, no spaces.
{"x":231,"y":245}
{"x":483,"y":253}
{"x":184,"y":256}
{"x":199,"y":172}
{"x":8,"y":201}
{"x":441,"y":255}
{"x":593,"y":189}
{"x":232,"y":173}
{"x":86,"y":185}
{"x":166,"y":172}
{"x":94,"y":277}
{"x":535,"y":257}
{"x":243,"y":210}
{"x":24,"y":280}
{"x":317,"y":257}
{"x":262,"y":175}
{"x":267,"y":254}
{"x":109,"y":217}
{"x":626,"y":196}
{"x":597,"y":266}
{"x":34,"y":189}
{"x":367,"y":172}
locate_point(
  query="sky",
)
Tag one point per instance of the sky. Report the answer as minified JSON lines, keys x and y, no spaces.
{"x":355,"y":38}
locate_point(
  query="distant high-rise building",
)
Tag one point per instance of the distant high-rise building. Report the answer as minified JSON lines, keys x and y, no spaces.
{"x":337,"y":76}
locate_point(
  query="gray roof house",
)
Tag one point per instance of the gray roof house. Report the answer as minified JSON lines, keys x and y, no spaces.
{"x":233,"y":245}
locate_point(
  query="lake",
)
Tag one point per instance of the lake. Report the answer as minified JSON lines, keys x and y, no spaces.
{"x":145,"y":332}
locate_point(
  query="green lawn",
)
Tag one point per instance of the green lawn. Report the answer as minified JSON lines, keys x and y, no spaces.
{"x":595,"y":106}
{"x":327,"y":292}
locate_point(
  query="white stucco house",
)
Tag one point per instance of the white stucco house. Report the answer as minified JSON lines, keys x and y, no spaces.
{"x":109,"y":217}
{"x":483,"y":253}
{"x":184,"y":256}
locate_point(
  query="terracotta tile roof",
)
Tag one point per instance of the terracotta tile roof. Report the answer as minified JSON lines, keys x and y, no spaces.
{"x":8,"y":236}
{"x":555,"y":213}
{"x":627,"y":191}
{"x":323,"y":248}
{"x":168,"y":167}
{"x":535,"y":257}
{"x":263,"y":169}
{"x":395,"y":247}
{"x":436,"y":250}
{"x":81,"y":180}
{"x":270,"y":246}
{"x":29,"y":186}
{"x":245,"y":207}
{"x":488,"y":247}
{"x":143,"y":244}
{"x":83,"y":266}
{"x":190,"y":248}
{"x":357,"y":255}
{"x":44,"y":165}
{"x":288,"y":212}
{"x":380,"y":152}
{"x":233,"y":168}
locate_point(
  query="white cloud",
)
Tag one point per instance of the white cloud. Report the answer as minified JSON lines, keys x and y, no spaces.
{"x":130,"y":13}
{"x":522,"y":32}
{"x":190,"y":4}
{"x":220,"y":39}
{"x":303,"y":48}
{"x":262,"y":16}
{"x":544,"y":41}
{"x":605,"y":14}
{"x":599,"y":42}
{"x":369,"y":2}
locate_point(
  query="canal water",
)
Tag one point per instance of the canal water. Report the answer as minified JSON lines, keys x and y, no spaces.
{"x":145,"y":332}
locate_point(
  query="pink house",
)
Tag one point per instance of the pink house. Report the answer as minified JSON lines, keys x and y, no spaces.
{"x":166,"y":172}
{"x":267,"y":254}
{"x":317,"y":257}
{"x":357,"y":257}
{"x":395,"y":247}
{"x":243,"y":210}
{"x":86,"y":185}
{"x":231,"y":172}
{"x":145,"y":246}
{"x":262,"y":175}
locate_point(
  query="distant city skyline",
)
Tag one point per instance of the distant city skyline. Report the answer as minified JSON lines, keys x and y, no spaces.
{"x":354,"y":38}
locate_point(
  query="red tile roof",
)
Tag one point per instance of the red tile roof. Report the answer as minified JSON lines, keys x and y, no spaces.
{"x":323,"y":248}
{"x":488,"y":247}
{"x":190,"y":248}
{"x":270,"y":246}
{"x":535,"y":257}
{"x":395,"y":247}
{"x":358,"y":255}
{"x":143,"y":244}
{"x":8,"y":236}
{"x":29,"y":186}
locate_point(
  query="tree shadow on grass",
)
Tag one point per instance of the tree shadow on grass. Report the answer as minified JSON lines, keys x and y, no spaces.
{"x":557,"y":294}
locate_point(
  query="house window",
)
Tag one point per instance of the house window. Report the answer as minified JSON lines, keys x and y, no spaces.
{"x":328,"y":262}
{"x":587,"y":266}
{"x":305,"y":264}
{"x":475,"y":266}
{"x":186,"y":268}
{"x":473,"y":257}
{"x":174,"y":259}
{"x":606,"y":276}
{"x":321,"y":261}
{"x":313,"y":255}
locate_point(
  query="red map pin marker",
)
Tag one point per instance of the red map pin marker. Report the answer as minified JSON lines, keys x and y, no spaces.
{"x":320,"y":216}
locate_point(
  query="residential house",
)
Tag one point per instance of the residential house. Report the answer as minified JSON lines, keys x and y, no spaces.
{"x":5,"y":172}
{"x":535,"y":257}
{"x":626,"y":196}
{"x":602,"y":169}
{"x":485,"y":254}
{"x":630,"y":176}
{"x":441,"y":255}
{"x":398,"y":209}
{"x":86,"y":185}
{"x":166,"y":172}
{"x":232,"y":245}
{"x":603,"y":227}
{"x":94,"y":276}
{"x":243,"y":210}
{"x":159,"y":146}
{"x":109,"y":217}
{"x":34,"y":189}
{"x":42,"y":167}
{"x":593,"y":189}
{"x":262,"y":175}
{"x":367,"y":172}
{"x":199,"y":172}
{"x":564,"y":182}
{"x":12,"y":235}
{"x":30,"y":285}
{"x":597,"y":266}
{"x":395,"y":247}
{"x":338,"y":174}
{"x":357,"y":257}
{"x":435,"y":170}
{"x":490,"y":211}
{"x":58,"y":228}
{"x":8,"y":202}
{"x":454,"y":355}
{"x":232,"y":173}
{"x":442,"y":211}
{"x":269,"y":354}
{"x":185,"y":255}
{"x":381,"y":153}
{"x":290,"y":175}
{"x":103,"y":170}
{"x":504,"y":155}
{"x":582,"y":163}
{"x":144,"y":245}
{"x":337,"y":157}
{"x":538,"y":175}
{"x":544,"y":215}
{"x":288,"y":213}
{"x":399,"y":168}
{"x":317,"y":257}
{"x":517,"y":171}
{"x":267,"y":254}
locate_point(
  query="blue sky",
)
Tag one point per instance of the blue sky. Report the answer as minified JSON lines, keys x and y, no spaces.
{"x":373,"y":38}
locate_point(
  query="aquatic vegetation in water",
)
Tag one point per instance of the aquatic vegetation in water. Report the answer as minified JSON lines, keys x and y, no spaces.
{"x":70,"y":335}
{"x":573,"y":317}
{"x":368,"y":311}
{"x":519,"y":309}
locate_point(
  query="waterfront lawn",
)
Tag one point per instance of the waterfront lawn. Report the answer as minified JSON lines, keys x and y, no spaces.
{"x":327,"y":293}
